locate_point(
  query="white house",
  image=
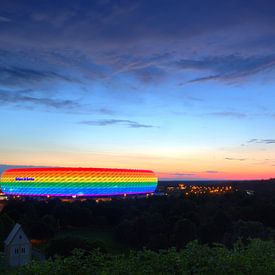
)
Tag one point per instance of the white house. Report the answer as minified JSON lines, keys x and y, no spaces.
{"x":17,"y":247}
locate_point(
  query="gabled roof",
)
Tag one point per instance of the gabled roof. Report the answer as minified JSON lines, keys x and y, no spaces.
{"x":12,"y":234}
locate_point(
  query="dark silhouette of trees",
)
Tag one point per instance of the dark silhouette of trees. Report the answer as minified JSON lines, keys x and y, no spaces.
{"x":184,"y":231}
{"x":65,"y":245}
{"x":154,"y":222}
{"x":6,"y":225}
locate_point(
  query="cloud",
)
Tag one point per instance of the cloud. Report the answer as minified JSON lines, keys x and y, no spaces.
{"x":176,"y":176}
{"x":145,"y":67}
{"x":205,"y":78}
{"x":149,"y":74}
{"x":124,"y":122}
{"x":132,"y":21}
{"x":29,"y":99}
{"x":227,"y":67}
{"x":211,"y":171}
{"x":228,"y":114}
{"x":103,"y":41}
{"x":265,"y":141}
{"x":4,"y":19}
{"x":116,"y":44}
{"x":24,"y":98}
{"x":183,"y":174}
{"x":238,"y":159}
{"x":252,"y":140}
{"x":106,"y":111}
{"x":14,"y":76}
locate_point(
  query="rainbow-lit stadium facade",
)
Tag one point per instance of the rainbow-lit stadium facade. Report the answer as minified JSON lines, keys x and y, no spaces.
{"x":85,"y":182}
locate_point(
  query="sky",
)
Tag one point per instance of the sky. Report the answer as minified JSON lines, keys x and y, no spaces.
{"x":184,"y":88}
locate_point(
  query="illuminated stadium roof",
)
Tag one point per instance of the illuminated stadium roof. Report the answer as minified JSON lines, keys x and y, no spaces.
{"x":77,"y":182}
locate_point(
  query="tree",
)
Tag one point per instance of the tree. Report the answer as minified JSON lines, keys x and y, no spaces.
{"x":65,"y":245}
{"x":248,"y":229}
{"x":41,"y":230}
{"x":6,"y":225}
{"x":184,"y":232}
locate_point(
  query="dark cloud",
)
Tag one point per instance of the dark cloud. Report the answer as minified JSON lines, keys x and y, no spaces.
{"x":124,"y":23}
{"x":227,"y":68}
{"x":151,"y":41}
{"x":25,"y":98}
{"x":265,"y":141}
{"x":124,"y":122}
{"x":126,"y":20}
{"x":252,"y":140}
{"x":238,"y":159}
{"x":17,"y":76}
{"x":29,"y":99}
{"x":205,"y":78}
{"x":141,"y":38}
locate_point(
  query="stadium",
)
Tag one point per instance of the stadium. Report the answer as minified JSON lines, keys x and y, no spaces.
{"x":77,"y":182}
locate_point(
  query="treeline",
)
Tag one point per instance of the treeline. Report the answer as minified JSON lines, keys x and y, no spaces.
{"x":257,"y":257}
{"x":154,"y":223}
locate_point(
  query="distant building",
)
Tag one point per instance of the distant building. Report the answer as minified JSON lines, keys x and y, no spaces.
{"x":17,"y":247}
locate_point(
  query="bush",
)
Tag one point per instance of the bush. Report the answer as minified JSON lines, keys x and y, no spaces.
{"x":258,"y":257}
{"x":65,"y":245}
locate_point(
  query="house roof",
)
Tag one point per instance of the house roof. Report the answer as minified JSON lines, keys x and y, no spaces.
{"x":12,"y":234}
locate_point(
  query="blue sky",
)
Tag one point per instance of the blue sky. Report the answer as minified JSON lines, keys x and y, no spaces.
{"x":185,"y":88}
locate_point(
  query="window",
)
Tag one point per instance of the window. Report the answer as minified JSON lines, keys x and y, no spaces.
{"x":20,"y":237}
{"x":23,"y":250}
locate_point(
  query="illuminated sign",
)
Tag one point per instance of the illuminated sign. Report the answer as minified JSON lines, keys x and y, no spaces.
{"x":25,"y":178}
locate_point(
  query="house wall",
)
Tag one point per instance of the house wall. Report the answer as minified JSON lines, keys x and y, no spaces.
{"x":18,"y":252}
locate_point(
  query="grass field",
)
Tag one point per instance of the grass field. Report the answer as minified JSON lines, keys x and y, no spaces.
{"x":105,"y":236}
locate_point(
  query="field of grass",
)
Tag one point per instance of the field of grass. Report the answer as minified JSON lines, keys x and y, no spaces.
{"x":106,"y":236}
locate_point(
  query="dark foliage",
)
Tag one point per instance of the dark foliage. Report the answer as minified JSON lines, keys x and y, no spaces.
{"x":64,"y":246}
{"x":257,"y":257}
{"x":154,"y":222}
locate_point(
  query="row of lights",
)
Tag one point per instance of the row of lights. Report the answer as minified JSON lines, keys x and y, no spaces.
{"x":195,"y":189}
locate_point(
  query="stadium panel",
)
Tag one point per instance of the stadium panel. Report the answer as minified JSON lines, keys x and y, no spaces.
{"x":63,"y":182}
